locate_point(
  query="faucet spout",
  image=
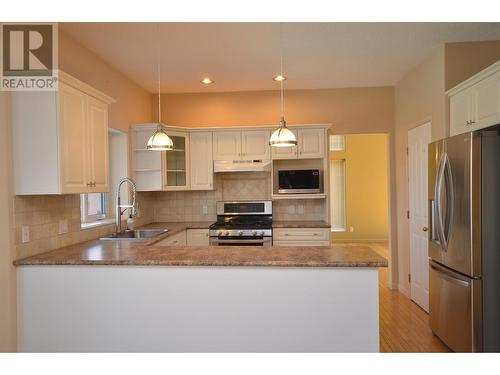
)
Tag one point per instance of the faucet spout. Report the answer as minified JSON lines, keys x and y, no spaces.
{"x":119,"y":206}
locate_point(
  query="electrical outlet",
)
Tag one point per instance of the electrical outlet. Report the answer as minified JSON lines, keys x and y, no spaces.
{"x":63,"y":226}
{"x":25,"y":234}
{"x":205,"y":209}
{"x":291,"y":209}
{"x":300,"y":208}
{"x":351,"y":229}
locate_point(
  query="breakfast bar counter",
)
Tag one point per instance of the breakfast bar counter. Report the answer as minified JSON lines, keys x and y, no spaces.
{"x":138,"y":296}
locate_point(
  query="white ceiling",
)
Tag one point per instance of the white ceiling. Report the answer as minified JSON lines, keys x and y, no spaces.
{"x":245,"y":56}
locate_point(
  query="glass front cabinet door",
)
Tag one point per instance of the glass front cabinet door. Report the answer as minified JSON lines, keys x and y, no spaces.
{"x":176,"y":163}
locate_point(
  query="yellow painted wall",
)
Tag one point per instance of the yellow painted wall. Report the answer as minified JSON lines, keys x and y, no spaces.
{"x":366,"y":187}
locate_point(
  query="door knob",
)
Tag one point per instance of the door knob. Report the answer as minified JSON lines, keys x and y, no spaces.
{"x":425,"y":229}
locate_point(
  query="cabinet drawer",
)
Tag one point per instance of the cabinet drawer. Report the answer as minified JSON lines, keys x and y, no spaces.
{"x":178,"y":239}
{"x":301,"y":234}
{"x":301,"y":243}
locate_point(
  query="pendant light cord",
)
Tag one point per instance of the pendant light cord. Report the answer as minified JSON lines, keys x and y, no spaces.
{"x":282,"y":76}
{"x":159,"y":74}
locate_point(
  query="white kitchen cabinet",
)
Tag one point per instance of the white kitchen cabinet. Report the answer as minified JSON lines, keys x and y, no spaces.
{"x":255,"y":145}
{"x":201,"y":159}
{"x":227,"y":145}
{"x":301,"y":236}
{"x":475,"y":103}
{"x":311,"y":145}
{"x":60,"y":139}
{"x":178,"y":239}
{"x":197,"y":237}
{"x":176,"y":162}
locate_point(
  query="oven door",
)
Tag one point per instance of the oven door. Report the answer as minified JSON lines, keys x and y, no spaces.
{"x":241,"y":241}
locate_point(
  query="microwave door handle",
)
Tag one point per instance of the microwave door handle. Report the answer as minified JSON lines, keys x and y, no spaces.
{"x":437,"y":199}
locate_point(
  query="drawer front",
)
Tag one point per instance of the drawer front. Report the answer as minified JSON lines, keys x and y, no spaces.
{"x":301,"y":243}
{"x":301,"y":234}
{"x":178,"y":239}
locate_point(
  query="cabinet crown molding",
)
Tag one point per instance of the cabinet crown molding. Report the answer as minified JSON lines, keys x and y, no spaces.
{"x":478,"y":77}
{"x":82,"y":86}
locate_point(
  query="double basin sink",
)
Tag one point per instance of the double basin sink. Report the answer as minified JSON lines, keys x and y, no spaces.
{"x":138,"y":234}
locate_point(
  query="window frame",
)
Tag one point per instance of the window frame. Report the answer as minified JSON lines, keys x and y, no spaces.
{"x":85,"y":218}
{"x":343,"y":164}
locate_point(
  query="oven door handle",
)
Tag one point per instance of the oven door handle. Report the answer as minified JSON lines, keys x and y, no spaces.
{"x":217,"y":241}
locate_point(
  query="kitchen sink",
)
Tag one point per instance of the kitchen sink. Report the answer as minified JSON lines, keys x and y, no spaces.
{"x":138,"y":234}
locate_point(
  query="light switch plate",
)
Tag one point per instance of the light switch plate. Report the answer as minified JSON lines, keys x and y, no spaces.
{"x":63,"y":226}
{"x":291,"y":209}
{"x":351,"y":229}
{"x":205,"y":209}
{"x":25,"y":234}
{"x":300,"y":208}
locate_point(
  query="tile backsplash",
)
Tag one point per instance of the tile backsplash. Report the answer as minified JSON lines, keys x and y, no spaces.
{"x":43,"y":214}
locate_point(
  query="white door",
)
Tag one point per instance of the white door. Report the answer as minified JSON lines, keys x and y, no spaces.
{"x":255,"y":145}
{"x":98,"y":145}
{"x":73,"y":140}
{"x":418,"y":141}
{"x":311,"y":143}
{"x":227,"y":145}
{"x":202,"y":166}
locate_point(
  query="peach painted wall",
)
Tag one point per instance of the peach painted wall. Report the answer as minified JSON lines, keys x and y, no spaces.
{"x":133,"y":103}
{"x":357,"y":110}
{"x":463,"y":60}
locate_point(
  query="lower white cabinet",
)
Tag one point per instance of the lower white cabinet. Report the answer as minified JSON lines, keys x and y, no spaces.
{"x":301,"y":236}
{"x":197,"y":237}
{"x":178,"y":239}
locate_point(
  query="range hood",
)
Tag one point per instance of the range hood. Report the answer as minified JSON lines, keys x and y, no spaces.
{"x":242,"y":166}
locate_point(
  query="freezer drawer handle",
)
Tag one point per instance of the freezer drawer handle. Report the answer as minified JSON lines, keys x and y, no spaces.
{"x":444,"y":274}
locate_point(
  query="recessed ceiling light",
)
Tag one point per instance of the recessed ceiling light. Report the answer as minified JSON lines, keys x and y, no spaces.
{"x":279,"y":78}
{"x":207,"y":81}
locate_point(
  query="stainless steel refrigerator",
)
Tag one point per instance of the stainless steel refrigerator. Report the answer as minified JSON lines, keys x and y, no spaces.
{"x":464,"y":240}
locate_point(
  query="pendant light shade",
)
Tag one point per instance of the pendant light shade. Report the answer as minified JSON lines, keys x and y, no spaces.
{"x":159,"y":141}
{"x":282,"y":137}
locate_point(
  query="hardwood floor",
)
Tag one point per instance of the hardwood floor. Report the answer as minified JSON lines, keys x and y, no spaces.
{"x":404,"y":326}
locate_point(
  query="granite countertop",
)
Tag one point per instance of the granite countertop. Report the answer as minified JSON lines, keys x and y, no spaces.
{"x":300,"y":224}
{"x":146,"y":253}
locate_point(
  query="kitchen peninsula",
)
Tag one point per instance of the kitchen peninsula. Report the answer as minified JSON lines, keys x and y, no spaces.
{"x":139,"y":296}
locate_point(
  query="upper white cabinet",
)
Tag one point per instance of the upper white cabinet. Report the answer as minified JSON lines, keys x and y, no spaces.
{"x":241,"y":145}
{"x":255,"y":145}
{"x":202,"y":170}
{"x":60,"y":139}
{"x":176,"y":163}
{"x":227,"y":145}
{"x":311,"y":145}
{"x":475,"y":103}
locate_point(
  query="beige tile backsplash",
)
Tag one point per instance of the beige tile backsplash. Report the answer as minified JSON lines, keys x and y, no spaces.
{"x":43,"y":213}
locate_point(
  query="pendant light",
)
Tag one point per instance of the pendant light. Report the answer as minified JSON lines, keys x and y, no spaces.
{"x":282,"y":137}
{"x":159,"y":141}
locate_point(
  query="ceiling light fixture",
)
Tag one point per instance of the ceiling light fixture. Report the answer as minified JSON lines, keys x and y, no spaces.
{"x":282,"y":137}
{"x":159,"y":141}
{"x":207,"y":81}
{"x":279,"y":78}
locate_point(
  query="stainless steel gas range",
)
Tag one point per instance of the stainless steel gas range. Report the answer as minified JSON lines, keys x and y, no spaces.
{"x":245,"y":223}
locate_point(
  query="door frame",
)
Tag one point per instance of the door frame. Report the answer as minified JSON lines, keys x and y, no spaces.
{"x":428,"y":123}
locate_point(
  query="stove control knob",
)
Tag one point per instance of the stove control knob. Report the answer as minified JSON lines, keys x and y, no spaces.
{"x":261,"y":233}
{"x":254,"y":233}
{"x":219,"y":234}
{"x":240,"y":233}
{"x":227,"y":233}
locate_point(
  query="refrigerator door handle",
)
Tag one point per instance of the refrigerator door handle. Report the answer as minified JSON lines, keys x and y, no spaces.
{"x":437,"y":199}
{"x":448,"y":276}
{"x":450,"y":196}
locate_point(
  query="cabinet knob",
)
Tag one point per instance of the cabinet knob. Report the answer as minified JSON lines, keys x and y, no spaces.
{"x":425,"y":229}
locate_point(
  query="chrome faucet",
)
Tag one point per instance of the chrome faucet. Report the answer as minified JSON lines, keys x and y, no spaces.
{"x":119,"y":206}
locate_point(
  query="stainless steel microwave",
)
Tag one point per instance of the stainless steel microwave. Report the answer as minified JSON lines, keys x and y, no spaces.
{"x":301,"y":181}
